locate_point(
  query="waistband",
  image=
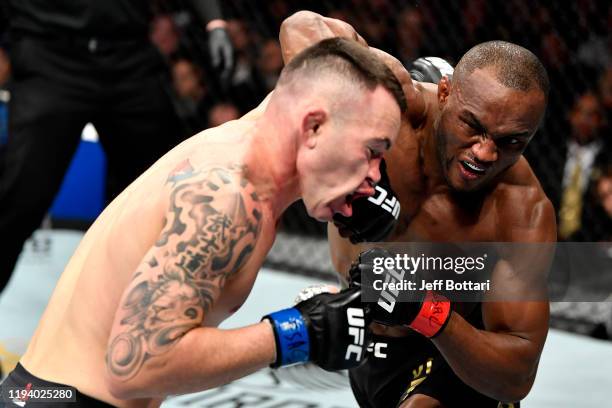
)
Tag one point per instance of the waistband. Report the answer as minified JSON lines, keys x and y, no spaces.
{"x":21,"y":379}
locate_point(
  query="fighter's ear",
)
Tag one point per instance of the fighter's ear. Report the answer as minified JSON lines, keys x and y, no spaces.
{"x":444,"y":90}
{"x":311,"y":125}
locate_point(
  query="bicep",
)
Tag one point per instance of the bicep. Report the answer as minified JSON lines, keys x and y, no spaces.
{"x":211,"y":228}
{"x":518,"y":301}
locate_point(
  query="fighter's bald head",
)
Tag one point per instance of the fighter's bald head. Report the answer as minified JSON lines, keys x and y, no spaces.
{"x":515,"y":67}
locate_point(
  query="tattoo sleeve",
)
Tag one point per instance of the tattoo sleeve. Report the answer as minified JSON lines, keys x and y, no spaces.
{"x":210,"y":230}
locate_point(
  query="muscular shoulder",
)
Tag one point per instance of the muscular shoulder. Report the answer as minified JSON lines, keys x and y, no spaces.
{"x":524,"y":211}
{"x":215,"y":210}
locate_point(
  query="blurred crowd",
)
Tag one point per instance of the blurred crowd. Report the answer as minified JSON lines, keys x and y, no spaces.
{"x":571,"y":155}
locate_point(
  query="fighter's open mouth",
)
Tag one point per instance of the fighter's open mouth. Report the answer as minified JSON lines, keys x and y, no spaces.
{"x":472,"y":167}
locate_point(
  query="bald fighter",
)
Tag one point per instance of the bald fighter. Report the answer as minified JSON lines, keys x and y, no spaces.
{"x":133,"y":317}
{"x":458,"y":173}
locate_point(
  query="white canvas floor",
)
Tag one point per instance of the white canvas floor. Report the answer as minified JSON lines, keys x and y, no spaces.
{"x":575,"y":371}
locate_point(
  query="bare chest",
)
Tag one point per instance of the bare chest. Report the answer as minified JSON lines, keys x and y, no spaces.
{"x":440,"y":218}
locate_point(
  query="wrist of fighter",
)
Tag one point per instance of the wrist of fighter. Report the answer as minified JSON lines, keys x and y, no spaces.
{"x":291,"y":337}
{"x":433,"y":315}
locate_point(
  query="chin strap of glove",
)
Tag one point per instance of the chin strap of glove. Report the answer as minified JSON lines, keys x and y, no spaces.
{"x":426,"y":312}
{"x":375,"y":217}
{"x":430,"y":69}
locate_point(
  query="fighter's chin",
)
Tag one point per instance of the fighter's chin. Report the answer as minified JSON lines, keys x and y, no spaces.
{"x":458,"y":183}
{"x":325,"y":211}
{"x":321,"y":212}
{"x":326,"y":214}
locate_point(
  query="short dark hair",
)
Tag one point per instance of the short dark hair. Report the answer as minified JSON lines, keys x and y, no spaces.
{"x":348,"y":58}
{"x":516,"y":67}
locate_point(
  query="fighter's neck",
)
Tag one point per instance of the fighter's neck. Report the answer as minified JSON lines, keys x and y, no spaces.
{"x":429,"y":160}
{"x":272,"y":158}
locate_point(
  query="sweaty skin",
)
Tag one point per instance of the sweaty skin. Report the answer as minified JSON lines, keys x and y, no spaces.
{"x":134,"y":316}
{"x":500,"y":361}
{"x":190,"y":209}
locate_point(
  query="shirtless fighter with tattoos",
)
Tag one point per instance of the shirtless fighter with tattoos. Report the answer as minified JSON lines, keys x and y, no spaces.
{"x":134,"y":315}
{"x":458,"y":172}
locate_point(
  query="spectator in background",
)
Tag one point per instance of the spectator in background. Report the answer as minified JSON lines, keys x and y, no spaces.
{"x":5,"y":67}
{"x":593,"y":27}
{"x":165,"y":35}
{"x":376,"y":31}
{"x":277,"y":11}
{"x":76,"y":62}
{"x":410,"y":35}
{"x":586,"y":156}
{"x":221,"y":113}
{"x":244,"y":51}
{"x":190,"y":95}
{"x":554,"y":51}
{"x":246,"y":90}
{"x":270,"y":63}
{"x":603,"y":196}
{"x":344,"y":15}
{"x":605,"y":91}
{"x":475,"y":20}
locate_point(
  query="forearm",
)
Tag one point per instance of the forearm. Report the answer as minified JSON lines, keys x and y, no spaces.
{"x":203,"y":358}
{"x":305,"y":28}
{"x":500,"y":365}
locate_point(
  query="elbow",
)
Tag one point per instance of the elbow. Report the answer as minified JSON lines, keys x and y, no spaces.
{"x":298,"y":18}
{"x":292,"y":23}
{"x":119,"y":389}
{"x":515,"y":391}
{"x":127,"y":388}
{"x":515,"y":394}
{"x":292,"y":35}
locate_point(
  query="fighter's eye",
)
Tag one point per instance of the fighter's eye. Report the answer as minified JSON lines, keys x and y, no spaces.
{"x":511,"y":141}
{"x":473,"y":127}
{"x":373,"y":153}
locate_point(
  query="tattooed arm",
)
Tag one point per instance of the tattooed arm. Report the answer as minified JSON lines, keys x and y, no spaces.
{"x":157,"y":344}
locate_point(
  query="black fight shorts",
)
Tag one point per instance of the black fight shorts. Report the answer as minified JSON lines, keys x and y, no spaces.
{"x":398,"y":367}
{"x":20,"y":379}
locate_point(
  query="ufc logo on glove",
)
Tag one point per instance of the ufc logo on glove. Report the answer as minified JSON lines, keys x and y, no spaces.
{"x":356,"y":329}
{"x":391,"y":204}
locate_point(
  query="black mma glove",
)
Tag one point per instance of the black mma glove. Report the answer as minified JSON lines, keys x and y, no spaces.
{"x":329,"y":329}
{"x":430,"y":69}
{"x":221,"y":53}
{"x":374,"y":218}
{"x":426,"y":312}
